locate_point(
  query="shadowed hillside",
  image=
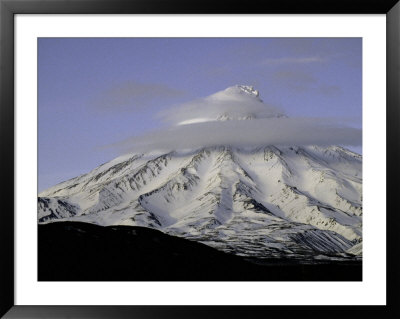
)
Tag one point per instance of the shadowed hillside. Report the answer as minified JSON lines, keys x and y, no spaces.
{"x":72,"y":251}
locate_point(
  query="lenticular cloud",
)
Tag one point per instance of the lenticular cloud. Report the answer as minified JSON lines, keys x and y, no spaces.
{"x":238,"y":117}
{"x":236,"y":102}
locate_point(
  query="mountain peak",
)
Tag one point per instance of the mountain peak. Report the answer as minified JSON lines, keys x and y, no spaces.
{"x":238,"y":102}
{"x":247,"y":89}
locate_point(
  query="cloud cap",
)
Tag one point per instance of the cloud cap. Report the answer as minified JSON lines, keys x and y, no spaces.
{"x":239,"y":102}
{"x":238,"y":117}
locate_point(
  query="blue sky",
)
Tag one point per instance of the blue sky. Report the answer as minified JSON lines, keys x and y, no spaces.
{"x":99,"y":91}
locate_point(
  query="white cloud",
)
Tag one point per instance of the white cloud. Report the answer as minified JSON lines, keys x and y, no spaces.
{"x":233,"y":103}
{"x":247,"y":122}
{"x":245,"y":133}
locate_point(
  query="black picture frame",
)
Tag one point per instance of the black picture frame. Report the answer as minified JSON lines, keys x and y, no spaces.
{"x":8,"y":8}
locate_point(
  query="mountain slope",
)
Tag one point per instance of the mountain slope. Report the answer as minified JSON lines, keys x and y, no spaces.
{"x":274,"y":201}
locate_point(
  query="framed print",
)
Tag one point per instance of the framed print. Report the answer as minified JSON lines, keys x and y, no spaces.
{"x":167,"y":155}
{"x":190,"y":193}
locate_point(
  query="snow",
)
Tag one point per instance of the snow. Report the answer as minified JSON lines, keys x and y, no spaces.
{"x":266,"y":201}
{"x":239,"y":102}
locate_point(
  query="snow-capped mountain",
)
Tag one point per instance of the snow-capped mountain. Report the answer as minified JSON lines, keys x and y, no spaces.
{"x":239,"y":102}
{"x":271,"y":201}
